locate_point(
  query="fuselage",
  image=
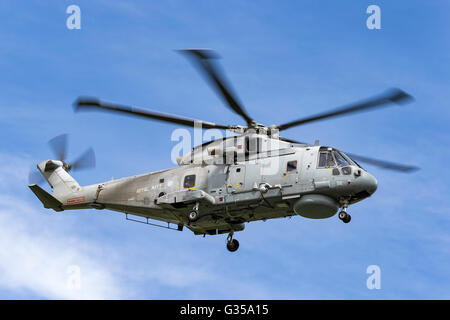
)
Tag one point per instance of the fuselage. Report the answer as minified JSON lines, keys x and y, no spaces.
{"x":236,"y":180}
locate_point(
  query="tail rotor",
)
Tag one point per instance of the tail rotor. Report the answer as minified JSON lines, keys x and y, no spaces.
{"x":59,"y":146}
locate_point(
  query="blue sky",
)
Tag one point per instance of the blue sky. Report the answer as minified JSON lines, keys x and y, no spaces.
{"x":286,"y":59}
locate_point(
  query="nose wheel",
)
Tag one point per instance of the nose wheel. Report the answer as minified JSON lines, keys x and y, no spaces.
{"x":345,"y":217}
{"x":232,"y":244}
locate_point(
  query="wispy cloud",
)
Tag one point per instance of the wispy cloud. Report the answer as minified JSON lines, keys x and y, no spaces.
{"x":36,"y":254}
{"x":37,"y":259}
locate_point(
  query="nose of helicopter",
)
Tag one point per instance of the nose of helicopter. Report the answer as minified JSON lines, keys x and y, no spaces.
{"x":370,"y":183}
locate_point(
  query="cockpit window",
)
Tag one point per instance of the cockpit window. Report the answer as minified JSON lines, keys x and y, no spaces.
{"x":349,"y":160}
{"x":326,"y":159}
{"x":340,"y":159}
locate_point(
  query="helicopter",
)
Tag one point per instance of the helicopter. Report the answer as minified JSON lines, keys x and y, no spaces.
{"x":222,"y":184}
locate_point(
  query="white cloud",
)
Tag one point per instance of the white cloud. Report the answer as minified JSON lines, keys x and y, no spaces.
{"x":36,"y":253}
{"x":35,"y":258}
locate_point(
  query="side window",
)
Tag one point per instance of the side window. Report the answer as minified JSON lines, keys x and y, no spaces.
{"x":291,"y":166}
{"x":189,"y":181}
{"x":326,"y":160}
{"x":323,"y":159}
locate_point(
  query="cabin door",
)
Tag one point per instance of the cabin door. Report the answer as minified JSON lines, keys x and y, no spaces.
{"x":307,"y":170}
{"x":236,"y":178}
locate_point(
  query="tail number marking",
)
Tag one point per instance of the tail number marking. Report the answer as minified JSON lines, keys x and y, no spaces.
{"x":75,"y":200}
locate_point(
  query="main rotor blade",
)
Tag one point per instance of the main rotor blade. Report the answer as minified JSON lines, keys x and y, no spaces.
{"x":85,"y":161}
{"x":59,"y":146}
{"x":203,"y":59}
{"x":94,"y":104}
{"x":393,"y":95}
{"x":383,"y":164}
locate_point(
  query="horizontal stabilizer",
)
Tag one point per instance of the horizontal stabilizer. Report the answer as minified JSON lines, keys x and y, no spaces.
{"x":47,"y":200}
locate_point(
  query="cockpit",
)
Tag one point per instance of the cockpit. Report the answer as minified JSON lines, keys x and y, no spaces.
{"x":342,"y":174}
{"x":331,"y":157}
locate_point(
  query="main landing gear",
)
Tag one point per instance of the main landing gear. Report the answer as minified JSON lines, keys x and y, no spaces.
{"x":194,"y":214}
{"x":344,"y":216}
{"x":232,"y":244}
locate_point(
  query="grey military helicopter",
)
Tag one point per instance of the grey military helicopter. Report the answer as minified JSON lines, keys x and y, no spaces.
{"x":220,"y":185}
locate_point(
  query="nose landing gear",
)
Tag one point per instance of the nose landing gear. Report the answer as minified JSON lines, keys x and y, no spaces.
{"x":232,"y":244}
{"x":344,"y":216}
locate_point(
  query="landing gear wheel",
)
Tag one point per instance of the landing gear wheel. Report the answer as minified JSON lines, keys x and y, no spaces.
{"x":345,"y":217}
{"x":233,"y":245}
{"x":193,"y":216}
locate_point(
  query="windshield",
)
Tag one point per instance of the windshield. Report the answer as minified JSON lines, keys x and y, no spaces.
{"x":330,"y":157}
{"x":349,"y":160}
{"x":341,"y":161}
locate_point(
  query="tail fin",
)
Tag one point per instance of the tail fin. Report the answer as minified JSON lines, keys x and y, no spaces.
{"x":62,"y":183}
{"x":47,"y":200}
